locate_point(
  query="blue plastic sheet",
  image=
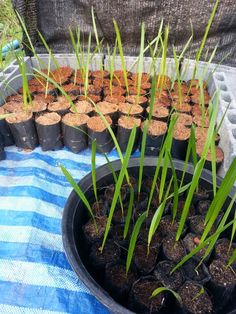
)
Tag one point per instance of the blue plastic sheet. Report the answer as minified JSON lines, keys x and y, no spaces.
{"x":35,"y":276}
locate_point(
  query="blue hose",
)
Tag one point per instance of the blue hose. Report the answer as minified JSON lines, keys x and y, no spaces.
{"x":13,"y":45}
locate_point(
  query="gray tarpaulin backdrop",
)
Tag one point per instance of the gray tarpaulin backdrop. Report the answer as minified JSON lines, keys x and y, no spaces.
{"x":54,"y":17}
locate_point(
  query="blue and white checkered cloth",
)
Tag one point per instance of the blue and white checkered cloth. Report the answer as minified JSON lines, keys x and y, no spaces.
{"x":35,"y":276}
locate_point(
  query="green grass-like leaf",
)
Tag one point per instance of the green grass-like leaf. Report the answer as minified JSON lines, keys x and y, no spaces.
{"x":213,"y":164}
{"x":201,"y":246}
{"x":121,"y":54}
{"x":142,"y":155}
{"x":129,"y":212}
{"x":157,"y":216}
{"x":78,"y":191}
{"x":133,"y":239}
{"x":219,"y":199}
{"x":93,"y":165}
{"x":165,"y":289}
{"x":176,"y":188}
{"x":119,"y":182}
{"x":221,"y":225}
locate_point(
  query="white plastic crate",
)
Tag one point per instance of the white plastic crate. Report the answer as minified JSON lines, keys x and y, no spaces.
{"x":219,"y":78}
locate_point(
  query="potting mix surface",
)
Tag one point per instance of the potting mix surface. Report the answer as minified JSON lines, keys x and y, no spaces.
{"x":35,"y":276}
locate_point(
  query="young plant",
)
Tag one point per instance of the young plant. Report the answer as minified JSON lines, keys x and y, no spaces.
{"x":119,"y":42}
{"x":79,"y":192}
{"x":119,"y":183}
{"x":133,"y":239}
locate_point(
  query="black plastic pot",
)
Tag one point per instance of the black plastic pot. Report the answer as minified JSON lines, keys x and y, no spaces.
{"x":50,"y":136}
{"x":75,"y":139}
{"x":103,"y":139}
{"x":179,"y":148}
{"x":2,"y":152}
{"x":75,"y":215}
{"x":5,"y":132}
{"x":24,"y":134}
{"x":123,"y":135}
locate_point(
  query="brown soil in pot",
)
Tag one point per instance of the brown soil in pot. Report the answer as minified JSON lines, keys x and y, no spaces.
{"x":45,"y":98}
{"x":183,"y":118}
{"x":98,"y":82}
{"x":94,"y":98}
{"x":117,"y":281}
{"x":191,"y":241}
{"x":183,"y":107}
{"x":61,"y":75}
{"x":98,"y":209}
{"x":164,"y":82}
{"x":37,"y":106}
{"x":195,"y":302}
{"x":115,"y":91}
{"x":80,"y":73}
{"x":197,"y":225}
{"x":133,"y":90}
{"x":14,"y":98}
{"x":40,"y":89}
{"x":162,"y":102}
{"x":80,"y":81}
{"x":83,"y":106}
{"x":145,"y":78}
{"x":180,"y":207}
{"x":72,"y":119}
{"x":90,"y":232}
{"x":173,"y":250}
{"x":197,"y":99}
{"x":129,"y":122}
{"x":146,"y":86}
{"x":183,"y":88}
{"x":59,"y":106}
{"x":96,"y":124}
{"x":106,"y":108}
{"x":13,"y":106}
{"x":156,"y":128}
{"x":159,"y":113}
{"x":223,"y":250}
{"x":109,"y":193}
{"x":196,"y":83}
{"x":181,"y":132}
{"x":115,"y":99}
{"x":140,"y":296}
{"x":135,"y":100}
{"x":19,"y":117}
{"x":156,"y":239}
{"x":49,"y":118}
{"x":172,"y":281}
{"x":197,"y":110}
{"x":221,"y":274}
{"x":201,"y":121}
{"x":130,"y":109}
{"x":121,"y":82}
{"x":120,"y":74}
{"x":167,"y":227}
{"x":201,"y":134}
{"x":92,"y":90}
{"x":218,"y":152}
{"x":110,"y":254}
{"x":72,"y":89}
{"x":175,"y":97}
{"x":100,"y":74}
{"x":144,"y":262}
